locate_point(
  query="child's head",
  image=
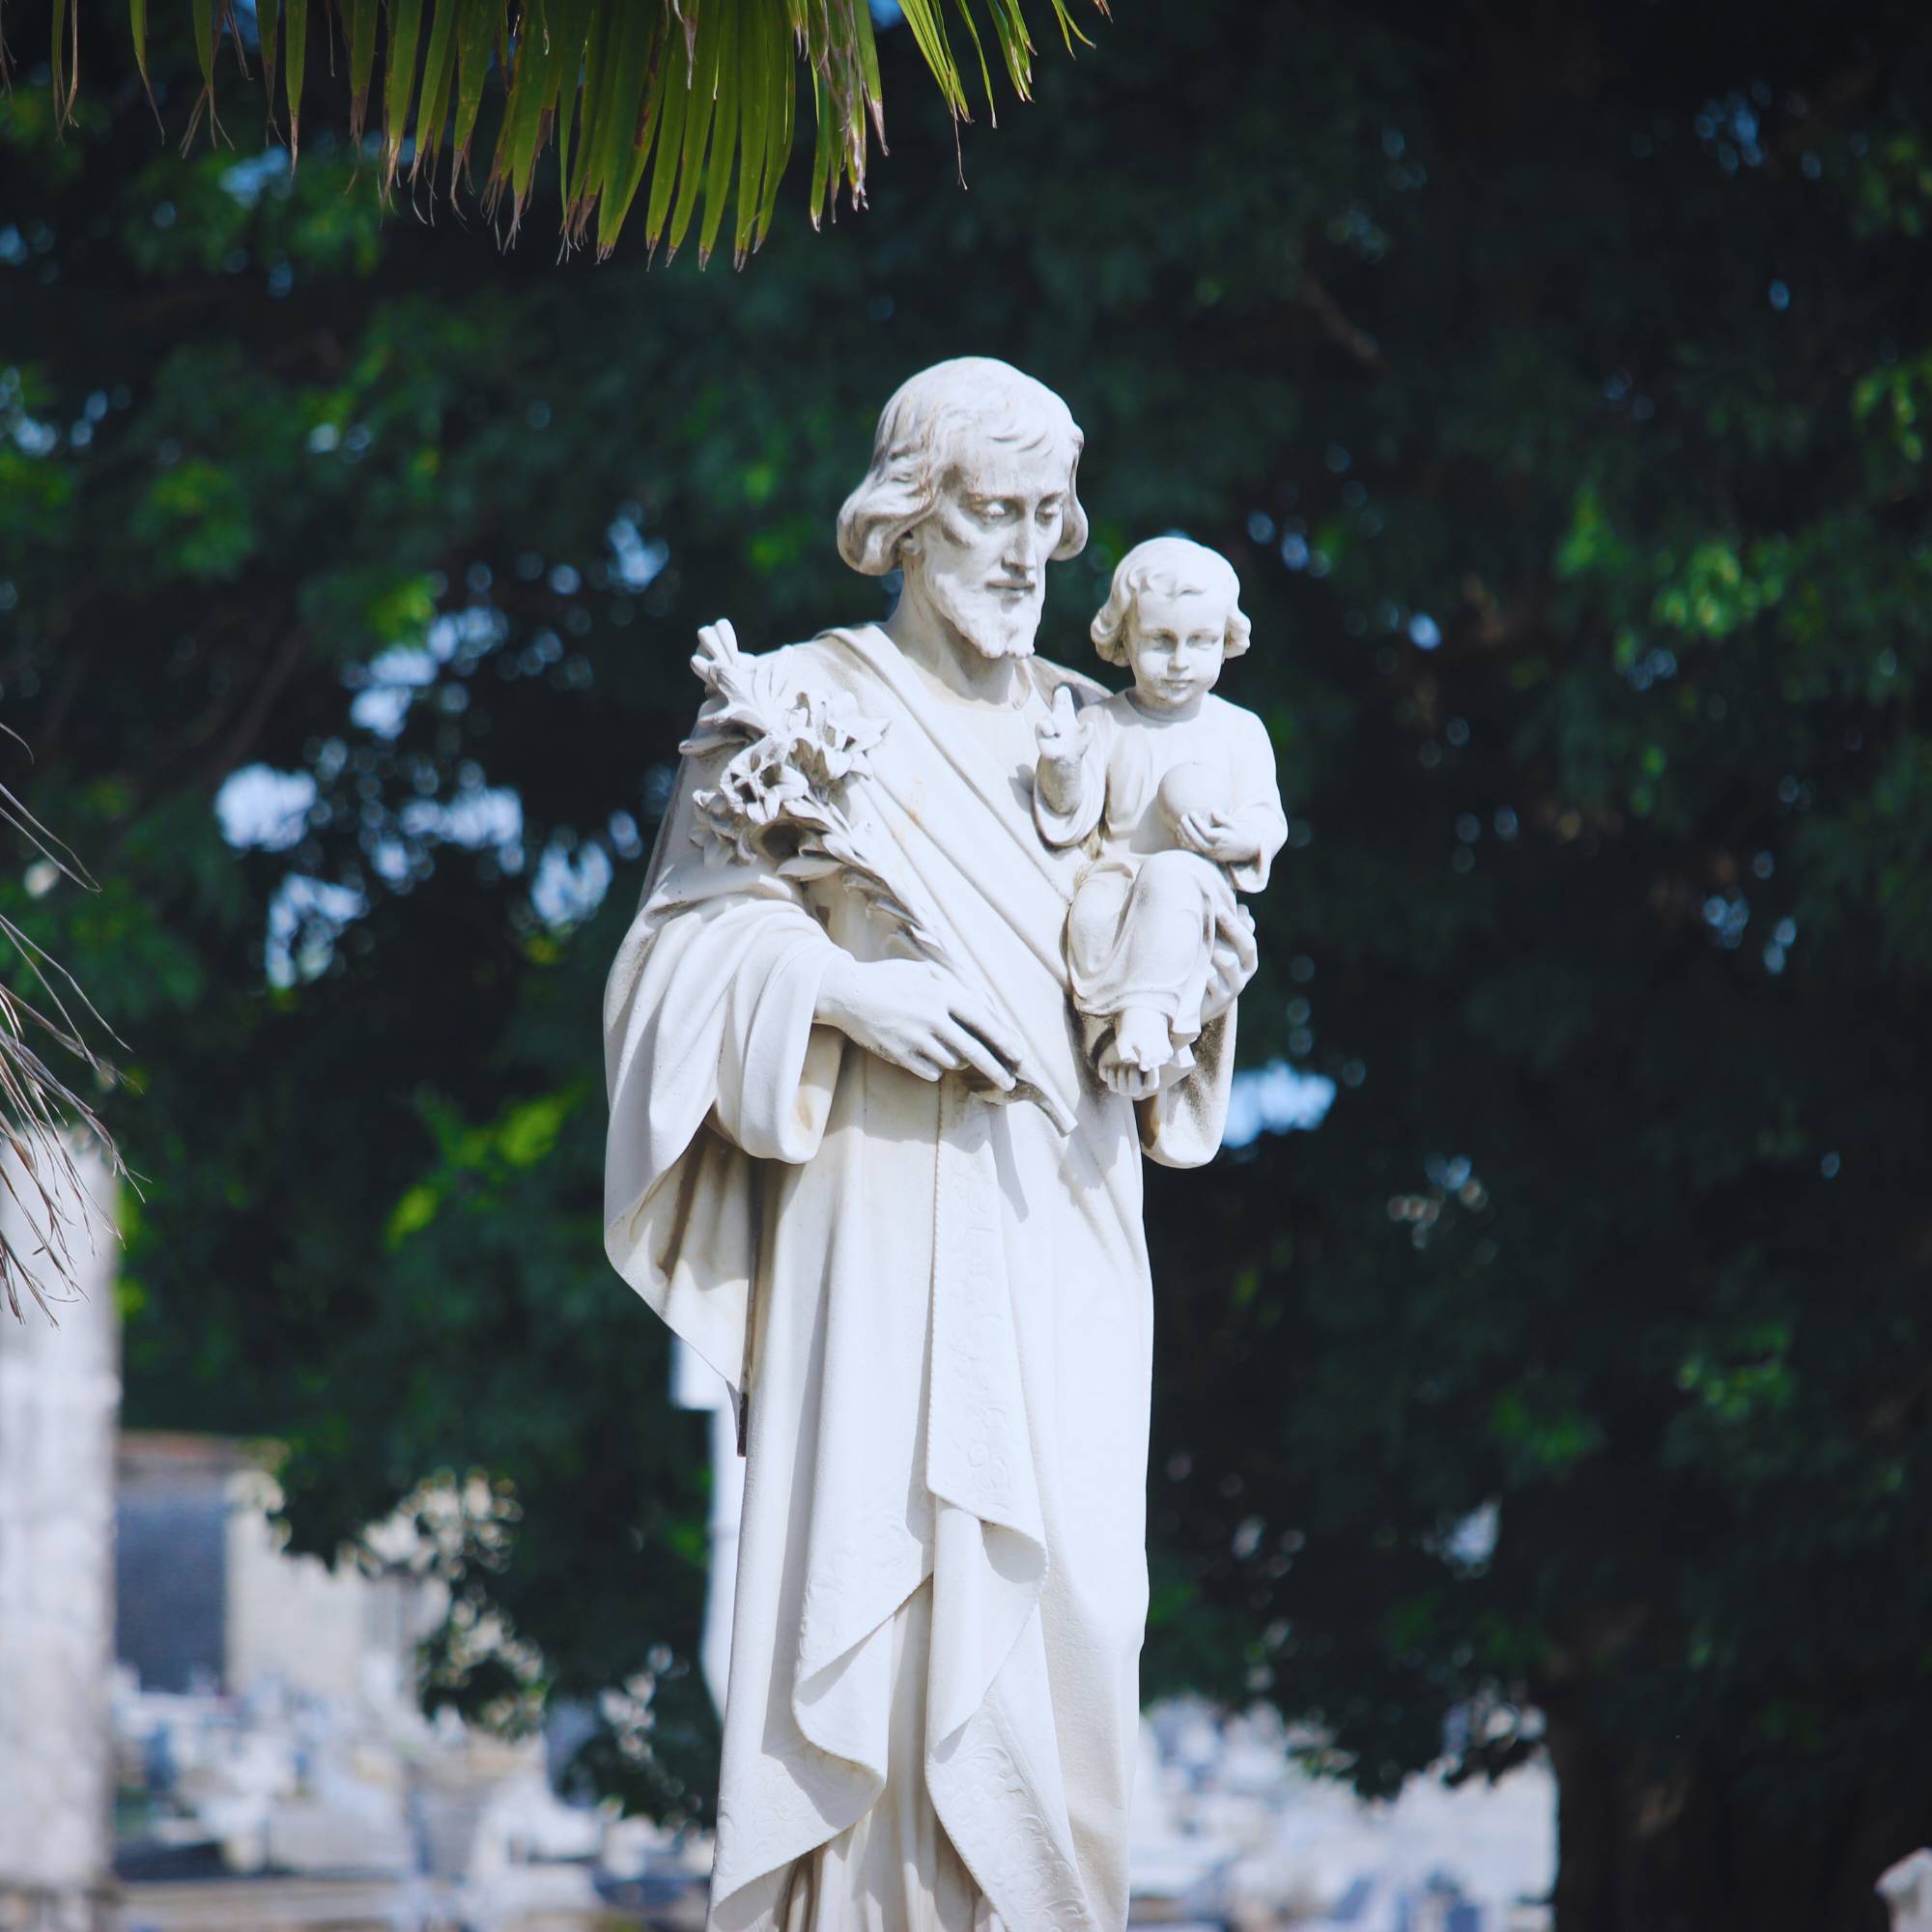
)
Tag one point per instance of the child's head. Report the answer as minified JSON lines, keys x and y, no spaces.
{"x":1173,"y":617}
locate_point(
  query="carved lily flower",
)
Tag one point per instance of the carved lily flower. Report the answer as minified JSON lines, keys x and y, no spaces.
{"x":720,"y":831}
{"x":761,"y":781}
{"x":830,"y":736}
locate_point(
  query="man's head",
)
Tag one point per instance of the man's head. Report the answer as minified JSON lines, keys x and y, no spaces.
{"x":971,"y":491}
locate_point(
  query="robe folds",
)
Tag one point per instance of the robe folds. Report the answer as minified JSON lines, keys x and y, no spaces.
{"x":939,"y":1311}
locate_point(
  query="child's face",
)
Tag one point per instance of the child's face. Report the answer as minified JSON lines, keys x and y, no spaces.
{"x":1175,"y":641}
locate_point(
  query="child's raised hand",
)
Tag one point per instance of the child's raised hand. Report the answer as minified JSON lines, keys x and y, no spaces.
{"x":1063,"y":742}
{"x":1063,"y":735}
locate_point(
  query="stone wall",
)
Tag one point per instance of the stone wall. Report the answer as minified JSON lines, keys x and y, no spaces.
{"x":59,"y":1398}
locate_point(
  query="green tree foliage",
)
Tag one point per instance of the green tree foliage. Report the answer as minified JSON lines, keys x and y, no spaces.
{"x":1557,"y":380}
{"x":674,"y":100}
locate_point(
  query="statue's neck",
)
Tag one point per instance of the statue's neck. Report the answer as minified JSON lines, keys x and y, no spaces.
{"x":925,"y":639}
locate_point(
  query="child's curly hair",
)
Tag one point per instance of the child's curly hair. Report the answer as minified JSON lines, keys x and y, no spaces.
{"x":1172,"y":566}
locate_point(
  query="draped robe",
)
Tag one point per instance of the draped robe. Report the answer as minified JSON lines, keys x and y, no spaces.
{"x":939,"y":1312}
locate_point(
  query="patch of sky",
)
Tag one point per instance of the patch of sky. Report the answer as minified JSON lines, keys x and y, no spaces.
{"x":34,"y":437}
{"x":569,"y":886}
{"x":262,"y":810}
{"x":477,"y":818}
{"x":1473,"y":1539}
{"x":389,"y":860}
{"x":389,"y":684}
{"x":634,"y":560}
{"x":625,"y":836}
{"x":247,"y":181}
{"x":1275,"y":1100}
{"x":1731,"y":125}
{"x":305,"y":917}
{"x":1728,"y":914}
{"x":1652,"y":666}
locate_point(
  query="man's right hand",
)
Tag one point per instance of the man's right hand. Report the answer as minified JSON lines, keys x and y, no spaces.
{"x":1232,"y":961}
{"x":918,"y":1016}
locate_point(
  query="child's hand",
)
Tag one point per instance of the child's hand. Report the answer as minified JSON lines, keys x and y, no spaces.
{"x":1217,"y":838}
{"x":1063,"y":745}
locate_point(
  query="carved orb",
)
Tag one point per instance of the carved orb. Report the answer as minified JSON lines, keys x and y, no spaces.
{"x":1192,"y":788}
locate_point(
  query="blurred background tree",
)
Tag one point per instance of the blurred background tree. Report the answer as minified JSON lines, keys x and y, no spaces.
{"x":1557,"y":382}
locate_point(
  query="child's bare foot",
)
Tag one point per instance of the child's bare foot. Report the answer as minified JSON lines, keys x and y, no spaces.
{"x":1131,"y":1061}
{"x":1135,"y":1082}
{"x":1142,"y":1040}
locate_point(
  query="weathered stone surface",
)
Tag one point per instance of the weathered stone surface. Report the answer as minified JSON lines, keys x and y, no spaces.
{"x":60,"y":1399}
{"x":877,"y":1161}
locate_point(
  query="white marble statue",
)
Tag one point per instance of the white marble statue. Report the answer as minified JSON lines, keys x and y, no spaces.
{"x":860,"y":1159}
{"x":1175,"y":789}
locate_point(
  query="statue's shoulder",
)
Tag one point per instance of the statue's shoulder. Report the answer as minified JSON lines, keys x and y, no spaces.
{"x":1050,"y":677}
{"x":824,"y":663}
{"x":1236,"y":720}
{"x":802,"y":659}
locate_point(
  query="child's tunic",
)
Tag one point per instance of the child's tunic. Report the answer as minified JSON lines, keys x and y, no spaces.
{"x":1141,"y":929}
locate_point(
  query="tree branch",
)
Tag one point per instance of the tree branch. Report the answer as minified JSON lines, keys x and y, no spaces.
{"x":1312,"y":294}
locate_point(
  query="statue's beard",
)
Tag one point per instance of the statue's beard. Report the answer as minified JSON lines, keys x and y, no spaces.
{"x":993,"y":627}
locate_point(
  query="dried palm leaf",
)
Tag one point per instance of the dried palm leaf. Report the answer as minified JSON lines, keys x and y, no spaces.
{"x":43,"y":1121}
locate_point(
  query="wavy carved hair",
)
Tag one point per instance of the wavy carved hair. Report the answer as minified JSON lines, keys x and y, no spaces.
{"x":919,"y":439}
{"x":1172,"y":566}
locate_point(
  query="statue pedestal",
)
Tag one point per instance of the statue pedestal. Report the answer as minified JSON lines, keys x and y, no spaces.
{"x":60,"y":1402}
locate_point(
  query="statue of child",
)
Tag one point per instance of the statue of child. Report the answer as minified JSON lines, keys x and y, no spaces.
{"x":1176,"y":790}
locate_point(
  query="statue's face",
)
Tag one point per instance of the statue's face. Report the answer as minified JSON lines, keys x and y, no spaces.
{"x":980,"y":553}
{"x":1175,"y":646}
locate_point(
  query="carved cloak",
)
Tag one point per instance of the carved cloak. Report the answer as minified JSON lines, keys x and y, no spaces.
{"x":938,"y":1307}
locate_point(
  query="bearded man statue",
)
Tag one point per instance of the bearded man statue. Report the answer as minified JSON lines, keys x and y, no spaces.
{"x":846,"y":1178}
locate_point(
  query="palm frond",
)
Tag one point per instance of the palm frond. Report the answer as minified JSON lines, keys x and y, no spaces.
{"x":43,"y":1121}
{"x":687,"y":92}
